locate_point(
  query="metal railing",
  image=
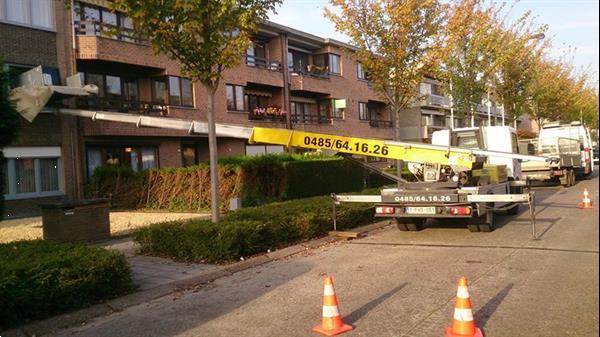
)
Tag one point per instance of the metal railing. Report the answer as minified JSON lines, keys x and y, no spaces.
{"x":102,"y":29}
{"x":267,"y":118}
{"x":121,"y":105}
{"x":310,"y":119}
{"x":261,"y":62}
{"x":380,"y":123}
{"x":310,"y":72}
{"x":436,"y":100}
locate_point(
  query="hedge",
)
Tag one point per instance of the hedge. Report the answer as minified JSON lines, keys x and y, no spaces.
{"x":40,"y":278}
{"x":257,"y":180}
{"x":249,"y":231}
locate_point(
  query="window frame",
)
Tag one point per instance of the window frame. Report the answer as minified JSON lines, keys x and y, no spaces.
{"x":38,"y":193}
{"x":366,"y":111}
{"x":236,"y":108}
{"x":28,"y":24}
{"x":166,"y":79}
{"x":330,"y":57}
{"x":359,"y":71}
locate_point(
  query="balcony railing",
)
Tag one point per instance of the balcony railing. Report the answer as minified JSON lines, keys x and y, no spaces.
{"x":436,"y":100}
{"x":311,"y":71}
{"x":121,"y":105}
{"x":260,"y":62}
{"x":96,"y":28}
{"x":271,"y":113}
{"x":310,"y":119}
{"x":380,"y":124}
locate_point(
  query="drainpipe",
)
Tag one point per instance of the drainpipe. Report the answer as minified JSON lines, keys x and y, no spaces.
{"x":286,"y":79}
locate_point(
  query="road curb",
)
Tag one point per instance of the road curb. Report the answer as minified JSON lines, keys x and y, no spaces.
{"x":79,"y":317}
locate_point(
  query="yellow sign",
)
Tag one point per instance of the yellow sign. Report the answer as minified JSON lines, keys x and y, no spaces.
{"x":360,"y":146}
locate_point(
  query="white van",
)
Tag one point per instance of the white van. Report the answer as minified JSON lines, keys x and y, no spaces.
{"x":576,"y":131}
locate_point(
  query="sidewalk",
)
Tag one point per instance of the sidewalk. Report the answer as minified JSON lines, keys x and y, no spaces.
{"x":149,"y":271}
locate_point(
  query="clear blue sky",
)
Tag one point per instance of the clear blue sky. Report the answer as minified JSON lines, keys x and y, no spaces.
{"x":572,"y":23}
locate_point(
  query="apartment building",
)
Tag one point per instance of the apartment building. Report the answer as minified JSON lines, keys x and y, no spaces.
{"x":288,"y":78}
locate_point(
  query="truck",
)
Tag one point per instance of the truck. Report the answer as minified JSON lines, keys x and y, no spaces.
{"x":565,"y":160}
{"x":574,"y":130}
{"x":471,"y":196}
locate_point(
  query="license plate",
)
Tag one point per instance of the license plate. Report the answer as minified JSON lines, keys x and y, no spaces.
{"x":419,"y":210}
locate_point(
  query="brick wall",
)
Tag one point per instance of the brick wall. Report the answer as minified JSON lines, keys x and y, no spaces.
{"x":28,"y":46}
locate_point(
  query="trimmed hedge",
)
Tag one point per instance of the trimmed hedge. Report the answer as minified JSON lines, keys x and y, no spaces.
{"x":257,"y":180}
{"x":250,"y":230}
{"x":41,"y":278}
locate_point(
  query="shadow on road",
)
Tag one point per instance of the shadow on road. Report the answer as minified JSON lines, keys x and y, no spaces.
{"x":364,"y":309}
{"x":484,"y":313}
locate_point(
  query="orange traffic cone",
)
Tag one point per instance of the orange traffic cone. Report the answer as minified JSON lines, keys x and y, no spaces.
{"x":463,"y":324}
{"x":586,"y":202}
{"x":331,"y":323}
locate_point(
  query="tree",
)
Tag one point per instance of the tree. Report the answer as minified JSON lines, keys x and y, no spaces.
{"x":206,"y":37}
{"x":524,"y":44}
{"x":397,"y":42}
{"x":9,"y":126}
{"x":472,"y":52}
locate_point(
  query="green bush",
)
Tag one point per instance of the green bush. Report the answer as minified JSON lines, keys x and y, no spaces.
{"x":250,"y":230}
{"x":41,"y":278}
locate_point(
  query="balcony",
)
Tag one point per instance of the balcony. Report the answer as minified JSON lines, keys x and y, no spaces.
{"x":263,"y":63}
{"x":268,"y":114}
{"x":380,"y":123}
{"x":310,"y":119}
{"x":121,"y":105}
{"x":102,"y":29}
{"x":436,"y":101}
{"x":311,"y":71}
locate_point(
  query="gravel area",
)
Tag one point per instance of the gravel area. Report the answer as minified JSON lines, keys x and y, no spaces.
{"x":120,"y":223}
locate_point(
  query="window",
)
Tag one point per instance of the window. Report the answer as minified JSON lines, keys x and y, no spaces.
{"x":255,"y":150}
{"x":172,"y":90}
{"x":130,"y":90}
{"x":338,"y":108}
{"x":187,"y":95}
{"x":363,"y":111}
{"x":235,"y":97}
{"x":33,"y":13}
{"x":32,"y":172}
{"x":159,"y":90}
{"x":297,"y":61}
{"x":136,"y":157}
{"x":334,"y":64}
{"x":467,"y":140}
{"x":113,"y":86}
{"x":360,"y":73}
{"x":256,"y":101}
{"x":256,"y":50}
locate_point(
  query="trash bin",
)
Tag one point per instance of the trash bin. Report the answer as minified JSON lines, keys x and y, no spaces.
{"x":80,"y":220}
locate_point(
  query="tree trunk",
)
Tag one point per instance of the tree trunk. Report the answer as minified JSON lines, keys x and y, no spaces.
{"x":212,"y":149}
{"x":398,"y":137}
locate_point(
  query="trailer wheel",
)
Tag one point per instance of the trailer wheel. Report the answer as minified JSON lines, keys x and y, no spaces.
{"x":571,"y":177}
{"x":410,"y":224}
{"x":483,"y":223}
{"x":473,"y":227}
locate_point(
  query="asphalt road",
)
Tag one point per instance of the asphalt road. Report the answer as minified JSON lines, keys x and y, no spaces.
{"x":394,"y":283}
